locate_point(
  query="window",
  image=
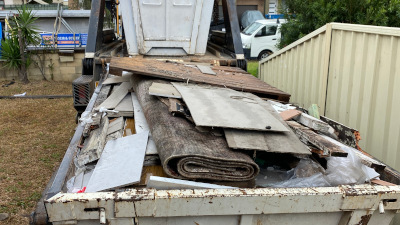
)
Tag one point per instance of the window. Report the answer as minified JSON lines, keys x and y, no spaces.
{"x":267,"y":31}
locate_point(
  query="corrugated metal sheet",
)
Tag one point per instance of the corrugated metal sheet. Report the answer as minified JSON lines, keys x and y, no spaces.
{"x":364,"y":71}
{"x":355,"y":80}
{"x":297,"y":69}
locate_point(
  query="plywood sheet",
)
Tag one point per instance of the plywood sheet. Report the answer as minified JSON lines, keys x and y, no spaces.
{"x":116,"y":97}
{"x":120,"y":164}
{"x":141,"y":125}
{"x":241,"y":81}
{"x":248,"y":140}
{"x":223,"y":107}
{"x":164,"y":90}
{"x":277,"y":142}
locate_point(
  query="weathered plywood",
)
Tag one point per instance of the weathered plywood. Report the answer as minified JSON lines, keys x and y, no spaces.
{"x":308,"y":136}
{"x":278,"y":142}
{"x":116,"y":97}
{"x":164,"y":90}
{"x":179,"y":72}
{"x":120,"y":164}
{"x":223,"y":107}
{"x":94,"y":145}
{"x":248,"y":140}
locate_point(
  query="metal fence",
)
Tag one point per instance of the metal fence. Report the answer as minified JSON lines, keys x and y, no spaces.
{"x":353,"y":73}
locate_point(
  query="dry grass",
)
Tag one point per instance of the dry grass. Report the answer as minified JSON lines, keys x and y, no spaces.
{"x":34,"y":134}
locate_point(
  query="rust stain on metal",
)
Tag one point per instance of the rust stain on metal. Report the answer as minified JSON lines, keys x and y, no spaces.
{"x":238,"y":80}
{"x":365,"y":219}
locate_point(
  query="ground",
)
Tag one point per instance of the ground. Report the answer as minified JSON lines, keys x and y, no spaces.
{"x":252,"y":67}
{"x":34,"y":135}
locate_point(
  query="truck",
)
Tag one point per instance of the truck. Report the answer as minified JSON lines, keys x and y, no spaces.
{"x":366,"y":203}
{"x":260,"y":38}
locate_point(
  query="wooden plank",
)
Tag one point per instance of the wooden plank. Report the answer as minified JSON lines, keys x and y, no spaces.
{"x":116,"y":125}
{"x":116,"y":80}
{"x":223,"y":107}
{"x":316,"y":125}
{"x":307,"y":135}
{"x":120,"y":164}
{"x":124,"y":108}
{"x":382,"y":182}
{"x":142,"y":126}
{"x":116,"y":97}
{"x":163,"y":183}
{"x":289,"y":114}
{"x":164,"y":90}
{"x":129,"y":125}
{"x":94,"y":145}
{"x":153,"y":170}
{"x":247,"y":140}
{"x":180,"y":72}
{"x":206,"y":70}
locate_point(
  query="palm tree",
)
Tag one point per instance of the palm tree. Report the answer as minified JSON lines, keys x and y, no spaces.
{"x":23,"y":33}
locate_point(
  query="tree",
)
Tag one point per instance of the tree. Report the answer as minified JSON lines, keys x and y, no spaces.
{"x":305,"y":16}
{"x":23,"y":33}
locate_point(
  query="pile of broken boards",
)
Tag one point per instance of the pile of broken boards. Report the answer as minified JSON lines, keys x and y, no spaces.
{"x":148,"y":130}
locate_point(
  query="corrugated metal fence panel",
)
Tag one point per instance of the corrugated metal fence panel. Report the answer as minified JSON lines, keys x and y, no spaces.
{"x":297,"y":69}
{"x":364,"y":87}
{"x":362,"y":81}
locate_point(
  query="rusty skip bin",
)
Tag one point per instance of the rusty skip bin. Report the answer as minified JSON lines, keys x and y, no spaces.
{"x":359,"y":204}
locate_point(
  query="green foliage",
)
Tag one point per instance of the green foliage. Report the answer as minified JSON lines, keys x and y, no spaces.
{"x":11,"y":49}
{"x":10,"y":52}
{"x":305,"y":16}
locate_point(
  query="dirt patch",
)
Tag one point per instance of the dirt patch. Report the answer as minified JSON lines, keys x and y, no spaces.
{"x":34,"y":134}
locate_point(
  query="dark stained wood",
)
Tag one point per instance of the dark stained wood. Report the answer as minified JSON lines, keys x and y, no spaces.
{"x":306,"y":134}
{"x":181,"y":146}
{"x":180,"y":72}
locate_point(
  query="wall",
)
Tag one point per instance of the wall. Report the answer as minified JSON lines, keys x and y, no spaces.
{"x":353,"y":73}
{"x":65,"y":68}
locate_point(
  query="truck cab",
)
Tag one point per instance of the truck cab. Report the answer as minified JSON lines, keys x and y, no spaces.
{"x":259,"y":39}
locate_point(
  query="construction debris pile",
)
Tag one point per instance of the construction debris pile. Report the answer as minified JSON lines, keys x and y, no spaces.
{"x":171,"y":125}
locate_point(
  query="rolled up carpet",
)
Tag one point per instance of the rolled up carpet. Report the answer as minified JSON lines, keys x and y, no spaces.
{"x":185,"y":152}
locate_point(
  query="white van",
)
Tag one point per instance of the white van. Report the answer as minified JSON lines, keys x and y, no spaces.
{"x":259,"y":39}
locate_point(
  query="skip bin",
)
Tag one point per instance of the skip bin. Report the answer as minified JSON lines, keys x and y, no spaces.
{"x":166,"y":27}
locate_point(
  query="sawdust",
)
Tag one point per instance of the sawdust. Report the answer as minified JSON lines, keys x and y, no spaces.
{"x":34,"y":134}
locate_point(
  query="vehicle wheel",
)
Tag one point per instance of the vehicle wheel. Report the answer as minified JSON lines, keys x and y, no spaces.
{"x":264,"y":54}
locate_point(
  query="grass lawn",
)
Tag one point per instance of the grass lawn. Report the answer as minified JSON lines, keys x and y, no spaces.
{"x":34,"y":134}
{"x":252,"y":67}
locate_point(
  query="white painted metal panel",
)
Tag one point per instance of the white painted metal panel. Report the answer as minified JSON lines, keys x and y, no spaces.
{"x":169,"y":27}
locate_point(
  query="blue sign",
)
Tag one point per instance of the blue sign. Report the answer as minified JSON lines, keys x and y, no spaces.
{"x":65,"y":40}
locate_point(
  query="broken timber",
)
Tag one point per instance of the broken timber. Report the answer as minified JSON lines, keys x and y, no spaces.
{"x":179,"y":72}
{"x":307,"y":136}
